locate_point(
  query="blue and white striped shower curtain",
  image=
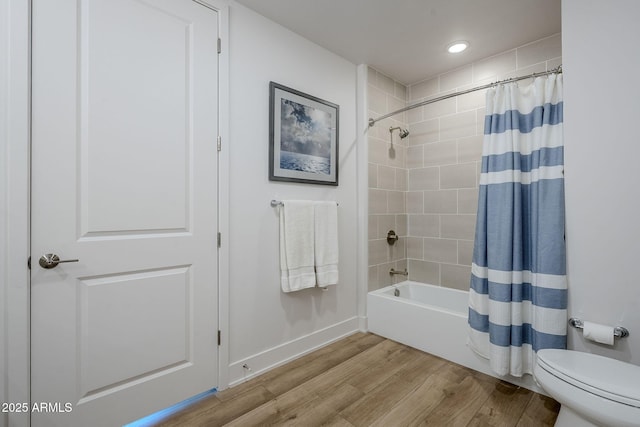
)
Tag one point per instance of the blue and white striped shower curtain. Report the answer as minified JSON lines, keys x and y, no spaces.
{"x":518,"y":295}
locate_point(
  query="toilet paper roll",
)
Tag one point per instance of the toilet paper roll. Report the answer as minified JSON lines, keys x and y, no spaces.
{"x":598,"y":333}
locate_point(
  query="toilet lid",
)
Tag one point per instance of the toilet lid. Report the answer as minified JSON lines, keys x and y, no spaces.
{"x":608,"y":378}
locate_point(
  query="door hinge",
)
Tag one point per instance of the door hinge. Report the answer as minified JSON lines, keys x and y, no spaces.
{"x":219,"y":239}
{"x":219,"y":143}
{"x":219,"y":337}
{"x":219,"y":45}
{"x":29,"y":263}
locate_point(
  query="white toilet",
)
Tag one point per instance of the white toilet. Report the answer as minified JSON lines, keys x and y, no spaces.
{"x":593,"y":390}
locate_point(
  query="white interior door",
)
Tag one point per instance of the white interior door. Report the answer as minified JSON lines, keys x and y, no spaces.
{"x":124,"y":179}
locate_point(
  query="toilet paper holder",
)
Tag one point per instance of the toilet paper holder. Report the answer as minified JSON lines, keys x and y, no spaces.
{"x":618,"y":331}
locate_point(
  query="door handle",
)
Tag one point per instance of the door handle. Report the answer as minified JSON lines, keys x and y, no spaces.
{"x":52,"y":260}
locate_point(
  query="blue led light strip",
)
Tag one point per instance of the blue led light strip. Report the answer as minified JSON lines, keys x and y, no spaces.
{"x":156,"y":417}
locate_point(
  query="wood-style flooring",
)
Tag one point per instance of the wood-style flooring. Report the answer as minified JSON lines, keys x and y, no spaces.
{"x":367,"y":380}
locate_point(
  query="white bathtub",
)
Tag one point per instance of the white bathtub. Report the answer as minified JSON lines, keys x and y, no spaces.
{"x":432,"y":319}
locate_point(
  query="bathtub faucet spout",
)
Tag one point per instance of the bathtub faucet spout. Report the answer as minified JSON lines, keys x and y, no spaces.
{"x":393,"y":271}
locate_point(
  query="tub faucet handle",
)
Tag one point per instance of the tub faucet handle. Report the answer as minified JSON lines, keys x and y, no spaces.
{"x":392,"y":237}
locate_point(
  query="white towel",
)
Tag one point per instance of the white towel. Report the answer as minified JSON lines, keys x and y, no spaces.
{"x":296,"y":245}
{"x":326,"y":243}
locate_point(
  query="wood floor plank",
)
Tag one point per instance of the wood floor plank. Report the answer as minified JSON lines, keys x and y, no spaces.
{"x":298,"y":373}
{"x":286,"y":377}
{"x":377,"y":403}
{"x":322,"y":409}
{"x":405,"y":378}
{"x":297,"y":408}
{"x":504,"y":407}
{"x":221,"y":414}
{"x":385,"y":369}
{"x":418,"y":404}
{"x":365,"y":380}
{"x":322,"y":384}
{"x":457,"y":373}
{"x":461,"y":402}
{"x":358,"y":365}
{"x":541,"y":411}
{"x":417,"y":371}
{"x":196,"y":415}
{"x":336,"y":421}
{"x":270,"y":413}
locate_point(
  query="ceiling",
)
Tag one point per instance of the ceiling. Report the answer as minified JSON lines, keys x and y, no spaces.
{"x":407,"y":39}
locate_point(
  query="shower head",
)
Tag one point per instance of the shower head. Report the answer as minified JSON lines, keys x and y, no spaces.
{"x":403,"y":132}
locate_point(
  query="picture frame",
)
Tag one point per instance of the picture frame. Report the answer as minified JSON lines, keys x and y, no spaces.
{"x":303,"y":137}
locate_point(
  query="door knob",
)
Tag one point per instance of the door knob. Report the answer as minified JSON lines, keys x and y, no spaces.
{"x":52,"y":260}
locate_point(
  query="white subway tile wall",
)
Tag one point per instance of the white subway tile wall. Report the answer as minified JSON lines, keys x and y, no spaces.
{"x":426,"y":187}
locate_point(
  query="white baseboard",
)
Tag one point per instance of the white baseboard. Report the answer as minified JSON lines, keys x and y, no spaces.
{"x":363,"y":324}
{"x":286,"y":352}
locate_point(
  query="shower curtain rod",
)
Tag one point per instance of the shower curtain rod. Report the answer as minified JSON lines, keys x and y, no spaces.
{"x":556,"y":70}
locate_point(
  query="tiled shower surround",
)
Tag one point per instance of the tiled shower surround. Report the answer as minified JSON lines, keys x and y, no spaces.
{"x":425,"y":187}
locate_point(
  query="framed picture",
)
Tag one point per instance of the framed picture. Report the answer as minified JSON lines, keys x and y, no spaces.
{"x":303,"y":137}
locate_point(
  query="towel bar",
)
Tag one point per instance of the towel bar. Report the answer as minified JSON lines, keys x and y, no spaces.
{"x":275,"y":203}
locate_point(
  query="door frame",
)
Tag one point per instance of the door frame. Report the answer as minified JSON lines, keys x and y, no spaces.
{"x":15,"y":146}
{"x":15,"y":16}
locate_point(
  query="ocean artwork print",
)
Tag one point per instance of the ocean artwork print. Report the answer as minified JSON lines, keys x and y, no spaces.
{"x":305,"y":138}
{"x":304,"y":163}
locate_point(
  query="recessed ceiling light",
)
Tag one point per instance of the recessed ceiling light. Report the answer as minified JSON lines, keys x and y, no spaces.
{"x":457,"y":47}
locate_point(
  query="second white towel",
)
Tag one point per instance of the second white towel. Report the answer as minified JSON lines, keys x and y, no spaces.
{"x":326,"y":243}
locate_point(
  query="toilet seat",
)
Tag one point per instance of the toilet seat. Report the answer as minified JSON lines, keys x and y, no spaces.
{"x":605,"y":377}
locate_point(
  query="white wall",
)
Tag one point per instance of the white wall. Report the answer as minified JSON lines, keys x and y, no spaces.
{"x":602,"y":109}
{"x":266,"y":325}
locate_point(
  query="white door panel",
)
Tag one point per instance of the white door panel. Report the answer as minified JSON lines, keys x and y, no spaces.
{"x":131,"y":78}
{"x":124,"y":164}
